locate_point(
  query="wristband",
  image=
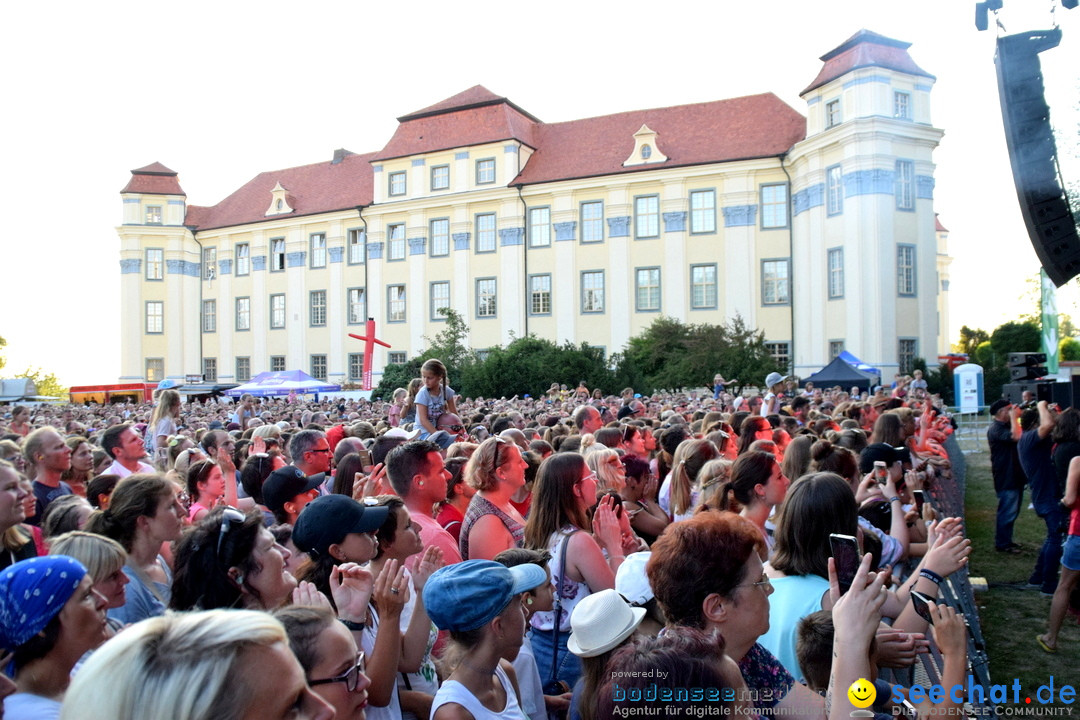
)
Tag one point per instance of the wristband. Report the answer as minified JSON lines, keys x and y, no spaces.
{"x":931,"y":576}
{"x":353,"y":626}
{"x":894,"y":498}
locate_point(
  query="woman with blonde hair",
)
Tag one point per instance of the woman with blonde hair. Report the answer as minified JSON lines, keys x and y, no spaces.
{"x":104,"y":560}
{"x":162,"y":426}
{"x":678,"y":494}
{"x":710,"y":479}
{"x":17,"y":541}
{"x":492,"y":524}
{"x":609,"y":469}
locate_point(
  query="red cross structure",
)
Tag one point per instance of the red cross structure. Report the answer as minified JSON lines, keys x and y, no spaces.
{"x":369,"y":350}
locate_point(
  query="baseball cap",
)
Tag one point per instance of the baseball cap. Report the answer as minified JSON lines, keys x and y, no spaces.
{"x":773,"y":378}
{"x":402,"y":433}
{"x":631,"y":581}
{"x":998,"y":405}
{"x":328,"y":519}
{"x":469,"y":594}
{"x":285,"y":483}
{"x":878,"y":451}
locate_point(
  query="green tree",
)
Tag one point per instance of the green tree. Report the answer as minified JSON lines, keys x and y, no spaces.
{"x":1069,"y":348}
{"x":46,"y":383}
{"x":1015,"y":337}
{"x":970,"y":339}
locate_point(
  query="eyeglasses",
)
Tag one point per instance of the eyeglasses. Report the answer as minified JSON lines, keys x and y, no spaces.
{"x":764,"y":583}
{"x":350,"y":677}
{"x":322,"y":450}
{"x":230,"y":517}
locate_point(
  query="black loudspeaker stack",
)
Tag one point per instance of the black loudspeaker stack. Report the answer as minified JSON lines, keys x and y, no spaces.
{"x":1065,"y":394}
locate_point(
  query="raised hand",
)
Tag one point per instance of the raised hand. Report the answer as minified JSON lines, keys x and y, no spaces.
{"x":430,"y":561}
{"x":351,"y":586}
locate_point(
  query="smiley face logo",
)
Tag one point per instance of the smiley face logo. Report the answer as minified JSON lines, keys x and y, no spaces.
{"x":862,"y":693}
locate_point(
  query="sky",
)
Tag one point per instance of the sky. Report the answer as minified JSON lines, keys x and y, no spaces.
{"x":222,"y":91}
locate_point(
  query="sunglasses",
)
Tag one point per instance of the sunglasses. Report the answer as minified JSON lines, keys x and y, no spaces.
{"x":350,"y":677}
{"x":230,"y":518}
{"x":455,"y":428}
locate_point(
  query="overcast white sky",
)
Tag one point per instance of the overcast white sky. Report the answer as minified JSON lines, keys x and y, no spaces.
{"x":222,"y":91}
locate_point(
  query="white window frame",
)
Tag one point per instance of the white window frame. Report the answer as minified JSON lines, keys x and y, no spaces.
{"x":833,"y":116}
{"x":436,"y":174}
{"x":357,"y":246}
{"x":774,"y":211}
{"x":906,"y":279}
{"x":485,"y":171}
{"x":905,"y":184}
{"x":646,"y":217}
{"x":776,"y":281}
{"x":155,"y":369}
{"x":906,"y":359}
{"x":592,"y":225}
{"x":356,"y":302}
{"x":439,"y":232}
{"x":486,"y":239}
{"x":834,"y":190}
{"x":487,"y":289}
{"x":317,"y":254}
{"x":277,"y":363}
{"x":356,"y":363}
{"x":209,"y":370}
{"x":209,"y":258}
{"x":901,"y":105}
{"x":780,"y":352}
{"x":396,"y":303}
{"x":397,"y":183}
{"x":438,"y":299}
{"x":209,"y":316}
{"x":243,"y":314}
{"x":243,"y":259}
{"x":150,"y":217}
{"x":277,"y":254}
{"x":317,"y":308}
{"x":395,"y":242}
{"x":318,"y":366}
{"x":540,"y":227}
{"x":278,"y":311}
{"x":155,"y":317}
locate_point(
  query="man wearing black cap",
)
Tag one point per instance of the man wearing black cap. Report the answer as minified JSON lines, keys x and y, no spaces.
{"x":1009,"y":479}
{"x":287,"y":490}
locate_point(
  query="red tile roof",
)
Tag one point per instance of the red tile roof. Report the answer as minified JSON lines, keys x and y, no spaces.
{"x":474,"y":117}
{"x":154,"y":179}
{"x":865,"y":49}
{"x":312,"y":189}
{"x":721,"y":131}
{"x":938,"y":227}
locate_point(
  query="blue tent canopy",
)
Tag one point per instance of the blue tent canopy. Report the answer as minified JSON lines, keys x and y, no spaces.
{"x":269,"y":384}
{"x":858,"y":364}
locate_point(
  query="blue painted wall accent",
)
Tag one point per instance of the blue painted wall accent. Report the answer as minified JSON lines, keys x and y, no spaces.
{"x":182,"y":267}
{"x":675,"y":221}
{"x":295,"y":259}
{"x":619,"y":226}
{"x":813,"y":101}
{"x":374,"y":250}
{"x":740,"y":215}
{"x":337,"y":254}
{"x":419,"y":162}
{"x":869,"y":79}
{"x":565,"y":230}
{"x":923,"y":88}
{"x":510,"y":148}
{"x":130,"y":267}
{"x":132,"y":201}
{"x":225,"y":267}
{"x":417,"y":245}
{"x":810,"y":197}
{"x":464,"y":155}
{"x":512,"y":236}
{"x":258,"y":262}
{"x":924,"y":187}
{"x":461,"y":241}
{"x":176,"y":202}
{"x":869,"y":182}
{"x":376,"y":168}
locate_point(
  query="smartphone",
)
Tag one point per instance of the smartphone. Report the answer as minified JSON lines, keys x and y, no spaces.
{"x":920,"y":499}
{"x":847,"y":554}
{"x":920,"y":602}
{"x":881,"y":472}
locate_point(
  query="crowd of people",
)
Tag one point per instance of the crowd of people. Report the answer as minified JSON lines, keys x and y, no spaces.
{"x":449,"y":557}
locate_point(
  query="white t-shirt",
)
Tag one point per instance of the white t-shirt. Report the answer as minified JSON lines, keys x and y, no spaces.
{"x":529,"y":683}
{"x":24,"y":706}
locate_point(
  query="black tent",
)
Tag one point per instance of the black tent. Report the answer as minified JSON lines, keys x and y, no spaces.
{"x":841,"y":373}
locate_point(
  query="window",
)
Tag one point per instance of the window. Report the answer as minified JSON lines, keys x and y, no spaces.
{"x":277,"y":254}
{"x":243,"y":314}
{"x":318,"y":367}
{"x":901,"y":104}
{"x":155,"y":316}
{"x":243,"y":259}
{"x":834,"y":190}
{"x":440,"y":177}
{"x":647,"y":216}
{"x":440,"y":237}
{"x":155,"y":264}
{"x":440,"y":299}
{"x":277,"y":312}
{"x":592,"y":221}
{"x":485,"y":298}
{"x":905,"y":185}
{"x":356,"y":240}
{"x":646,"y":152}
{"x":209,"y":370}
{"x":905,"y":269}
{"x":356,"y":367}
{"x":832,"y":113}
{"x":779,"y":352}
{"x":277,"y":363}
{"x":357,"y":301}
{"x":905,"y":353}
{"x":835,"y":348}
{"x":209,"y":259}
{"x":703,"y":211}
{"x":836,"y":273}
{"x":702,"y":287}
{"x":539,"y":294}
{"x":318,"y":250}
{"x":485,"y":171}
{"x":153,"y":214}
{"x":395,"y":303}
{"x":243,"y":369}
{"x":485,"y":233}
{"x":155,"y":369}
{"x":647,"y":289}
{"x":396,"y":235}
{"x":209,"y":316}
{"x":396,"y":358}
{"x":592,"y":291}
{"x":317,"y":304}
{"x":774,"y":282}
{"x":397,"y":183}
{"x":539,"y":227}
{"x":774,"y":204}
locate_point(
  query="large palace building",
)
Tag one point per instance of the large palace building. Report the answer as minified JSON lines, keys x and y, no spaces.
{"x":819,"y":230}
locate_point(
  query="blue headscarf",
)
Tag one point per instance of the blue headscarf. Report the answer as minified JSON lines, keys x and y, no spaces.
{"x":32,"y":593}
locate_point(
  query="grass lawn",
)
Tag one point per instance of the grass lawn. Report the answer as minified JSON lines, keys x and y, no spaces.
{"x":1011,"y":615}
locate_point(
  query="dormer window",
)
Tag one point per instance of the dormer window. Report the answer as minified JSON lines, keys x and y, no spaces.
{"x":153,"y":214}
{"x":279,"y":201}
{"x":646,"y":149}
